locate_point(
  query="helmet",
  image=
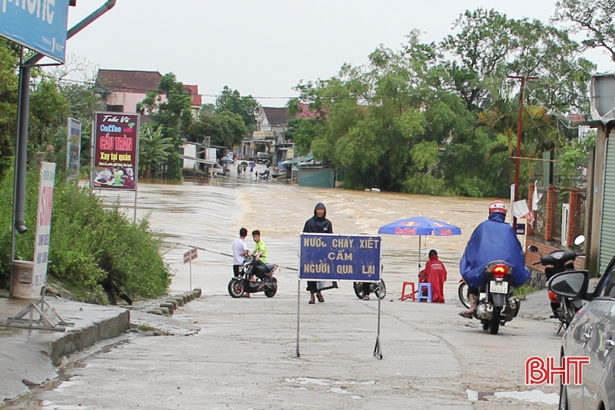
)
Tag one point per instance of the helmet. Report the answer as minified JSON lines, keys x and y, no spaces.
{"x":497,"y":206}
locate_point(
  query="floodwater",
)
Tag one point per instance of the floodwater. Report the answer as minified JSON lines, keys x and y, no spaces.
{"x":208,"y":214}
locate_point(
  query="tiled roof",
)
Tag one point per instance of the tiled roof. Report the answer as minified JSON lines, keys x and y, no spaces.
{"x":276,"y":116}
{"x":128,"y":81}
{"x":305,"y":112}
{"x":193,"y":91}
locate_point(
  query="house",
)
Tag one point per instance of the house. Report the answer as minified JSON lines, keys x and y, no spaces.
{"x":197,"y":100}
{"x":123,"y":90}
{"x":271,"y":123}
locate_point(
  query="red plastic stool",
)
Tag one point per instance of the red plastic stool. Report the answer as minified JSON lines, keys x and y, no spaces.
{"x":405,"y":295}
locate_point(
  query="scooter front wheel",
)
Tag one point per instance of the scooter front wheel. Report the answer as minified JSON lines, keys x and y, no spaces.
{"x":463,"y":293}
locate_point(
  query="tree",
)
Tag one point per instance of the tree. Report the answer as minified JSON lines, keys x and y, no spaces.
{"x":154,"y":149}
{"x":9,"y":83}
{"x":489,"y":46}
{"x":246,"y":107}
{"x":226,"y":129}
{"x":169,"y":108}
{"x":593,"y":17}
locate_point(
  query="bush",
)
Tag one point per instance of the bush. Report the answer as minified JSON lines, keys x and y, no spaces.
{"x":91,"y":248}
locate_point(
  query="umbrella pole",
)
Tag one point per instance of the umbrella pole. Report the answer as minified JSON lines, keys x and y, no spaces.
{"x":420,"y":254}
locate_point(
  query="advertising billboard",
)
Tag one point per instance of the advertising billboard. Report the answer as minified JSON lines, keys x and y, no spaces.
{"x":39,"y":25}
{"x":115,"y":139}
{"x":73,"y":148}
{"x":43,"y":224}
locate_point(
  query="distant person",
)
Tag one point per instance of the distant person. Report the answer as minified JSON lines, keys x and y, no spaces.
{"x":435,"y":274}
{"x":240,"y":249}
{"x":238,"y":170}
{"x":252,"y":165}
{"x":317,"y":224}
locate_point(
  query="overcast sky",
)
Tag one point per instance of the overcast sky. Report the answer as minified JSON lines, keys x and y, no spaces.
{"x":265,"y":47}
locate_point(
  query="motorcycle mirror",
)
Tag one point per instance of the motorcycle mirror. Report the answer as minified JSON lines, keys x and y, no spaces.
{"x":579,"y":240}
{"x":532,"y":248}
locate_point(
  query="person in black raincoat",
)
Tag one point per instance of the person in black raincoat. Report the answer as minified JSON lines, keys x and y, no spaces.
{"x":317,"y":224}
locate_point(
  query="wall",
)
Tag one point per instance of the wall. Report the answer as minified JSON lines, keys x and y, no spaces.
{"x":538,"y":277}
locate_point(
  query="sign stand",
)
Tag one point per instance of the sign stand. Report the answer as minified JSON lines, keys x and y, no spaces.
{"x":298,"y":310}
{"x":189,"y":256}
{"x":48,"y":317}
{"x":377,"y":351}
{"x":339,"y":258}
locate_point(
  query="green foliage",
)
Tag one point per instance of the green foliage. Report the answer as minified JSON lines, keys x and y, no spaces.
{"x":154,"y":149}
{"x":90,"y":246}
{"x":441,"y":119}
{"x":169,"y":108}
{"x":246,"y":107}
{"x":226,"y":129}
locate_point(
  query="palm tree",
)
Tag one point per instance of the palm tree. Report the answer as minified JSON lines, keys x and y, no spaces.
{"x":502,"y":117}
{"x":154,"y":148}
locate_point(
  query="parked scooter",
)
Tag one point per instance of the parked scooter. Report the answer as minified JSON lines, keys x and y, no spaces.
{"x":254,"y":277}
{"x":496,"y":303}
{"x":561,"y":260}
{"x":264,"y":174}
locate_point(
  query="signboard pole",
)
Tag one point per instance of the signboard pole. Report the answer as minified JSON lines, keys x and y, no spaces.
{"x":377,"y":351}
{"x":190,"y":274}
{"x":298,"y":311}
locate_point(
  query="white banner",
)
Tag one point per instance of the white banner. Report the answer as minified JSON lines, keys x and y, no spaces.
{"x":43,"y":224}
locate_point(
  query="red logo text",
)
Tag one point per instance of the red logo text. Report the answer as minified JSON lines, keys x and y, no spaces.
{"x":539,"y":370}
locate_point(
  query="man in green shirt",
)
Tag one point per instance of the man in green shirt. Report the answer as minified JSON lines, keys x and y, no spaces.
{"x":260,"y":252}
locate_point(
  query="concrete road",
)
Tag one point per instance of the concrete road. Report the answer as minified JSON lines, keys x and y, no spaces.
{"x":244,"y":357}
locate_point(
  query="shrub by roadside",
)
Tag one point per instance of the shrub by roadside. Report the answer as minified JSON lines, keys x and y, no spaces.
{"x":92,"y":249}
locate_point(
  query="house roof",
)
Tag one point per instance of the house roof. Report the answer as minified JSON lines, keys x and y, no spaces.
{"x":276,"y":116}
{"x":129,"y":81}
{"x":306,"y":112}
{"x":193,"y":91}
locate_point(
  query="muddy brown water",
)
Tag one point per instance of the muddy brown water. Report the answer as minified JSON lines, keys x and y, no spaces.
{"x":208,"y":213}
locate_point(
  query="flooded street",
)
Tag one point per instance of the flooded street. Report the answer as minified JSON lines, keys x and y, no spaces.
{"x":208,"y":214}
{"x":245,"y":355}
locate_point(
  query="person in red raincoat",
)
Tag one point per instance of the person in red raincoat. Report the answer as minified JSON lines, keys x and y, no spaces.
{"x":434,"y":273}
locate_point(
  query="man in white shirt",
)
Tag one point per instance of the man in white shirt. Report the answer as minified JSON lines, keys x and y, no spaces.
{"x":240,"y":249}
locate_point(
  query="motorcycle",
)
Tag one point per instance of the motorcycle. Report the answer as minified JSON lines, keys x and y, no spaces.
{"x":496,"y":303}
{"x":264,"y":174}
{"x":254,"y":277}
{"x":379,"y":290}
{"x":463,"y":293}
{"x":561,"y":260}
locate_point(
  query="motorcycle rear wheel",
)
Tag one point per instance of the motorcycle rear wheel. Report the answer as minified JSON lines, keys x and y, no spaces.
{"x":495,"y":321}
{"x":235,"y":288}
{"x":464,"y":295}
{"x":272,"y":288}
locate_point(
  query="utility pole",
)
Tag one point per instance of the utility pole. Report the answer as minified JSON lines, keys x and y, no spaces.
{"x":519,"y":134}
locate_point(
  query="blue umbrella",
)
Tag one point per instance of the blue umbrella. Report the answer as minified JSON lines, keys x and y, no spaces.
{"x":419,"y":226}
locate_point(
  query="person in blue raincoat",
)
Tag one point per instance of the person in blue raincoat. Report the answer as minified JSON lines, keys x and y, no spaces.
{"x":492,"y":240}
